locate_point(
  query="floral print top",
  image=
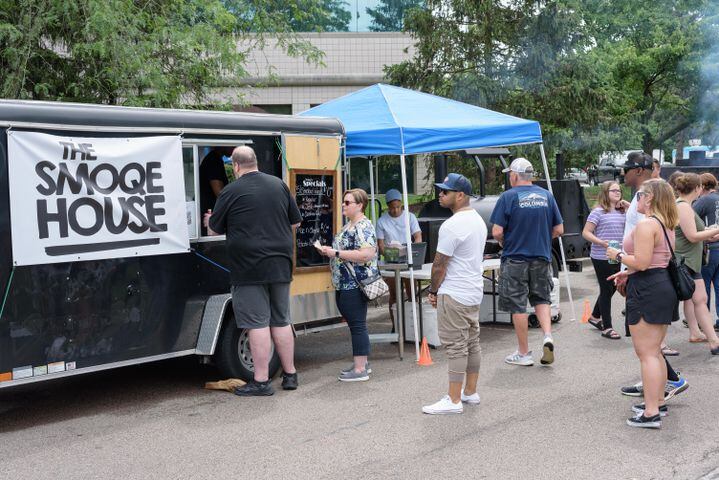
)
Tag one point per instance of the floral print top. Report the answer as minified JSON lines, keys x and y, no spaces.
{"x":354,"y":237}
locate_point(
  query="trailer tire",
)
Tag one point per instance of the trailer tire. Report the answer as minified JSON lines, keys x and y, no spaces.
{"x":533,"y":321}
{"x":233,"y":356}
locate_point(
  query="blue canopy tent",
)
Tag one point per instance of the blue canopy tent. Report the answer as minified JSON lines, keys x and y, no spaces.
{"x":388,"y":120}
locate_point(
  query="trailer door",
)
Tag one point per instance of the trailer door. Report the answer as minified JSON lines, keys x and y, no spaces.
{"x":312,"y":169}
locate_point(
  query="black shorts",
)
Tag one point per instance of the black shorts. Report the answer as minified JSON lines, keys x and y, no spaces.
{"x":262,"y":305}
{"x":695,"y":275}
{"x":651,"y":296}
{"x":522,"y":280}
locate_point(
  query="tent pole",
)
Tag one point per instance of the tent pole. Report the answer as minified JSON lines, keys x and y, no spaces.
{"x":561,"y":244}
{"x":405,"y":200}
{"x":371,"y":189}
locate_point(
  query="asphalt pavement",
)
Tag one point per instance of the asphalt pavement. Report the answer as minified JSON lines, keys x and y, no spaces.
{"x":563,"y":421}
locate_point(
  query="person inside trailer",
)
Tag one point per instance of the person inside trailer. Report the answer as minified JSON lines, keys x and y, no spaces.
{"x":213,"y":177}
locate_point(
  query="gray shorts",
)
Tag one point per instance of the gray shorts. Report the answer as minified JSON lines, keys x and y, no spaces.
{"x":261,"y":306}
{"x":520,"y":280}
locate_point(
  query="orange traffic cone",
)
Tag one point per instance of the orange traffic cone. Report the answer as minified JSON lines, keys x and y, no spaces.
{"x":425,"y":359}
{"x":586,"y":314}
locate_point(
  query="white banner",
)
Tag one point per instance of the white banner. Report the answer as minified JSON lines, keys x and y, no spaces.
{"x":82,"y":198}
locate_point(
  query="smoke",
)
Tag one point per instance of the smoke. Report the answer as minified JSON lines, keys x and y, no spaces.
{"x":708,"y":107}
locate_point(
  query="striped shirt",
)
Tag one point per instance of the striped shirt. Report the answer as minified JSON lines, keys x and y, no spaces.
{"x":609,"y":226}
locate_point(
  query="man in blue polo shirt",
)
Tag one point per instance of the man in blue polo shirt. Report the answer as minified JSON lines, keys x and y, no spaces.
{"x":525,"y":220}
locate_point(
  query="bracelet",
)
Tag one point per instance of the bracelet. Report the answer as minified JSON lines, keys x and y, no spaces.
{"x":431,"y":292}
{"x":337,"y":254}
{"x":619,"y":257}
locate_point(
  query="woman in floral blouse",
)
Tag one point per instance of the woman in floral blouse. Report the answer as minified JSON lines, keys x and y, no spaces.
{"x":354,"y":248}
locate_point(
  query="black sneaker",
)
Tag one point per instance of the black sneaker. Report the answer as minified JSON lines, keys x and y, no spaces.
{"x":640,"y":407}
{"x":636,"y":390}
{"x":255,"y":389}
{"x":289,"y":381}
{"x":645,"y":422}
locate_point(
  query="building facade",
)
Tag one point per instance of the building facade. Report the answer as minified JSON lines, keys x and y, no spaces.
{"x":279,"y":83}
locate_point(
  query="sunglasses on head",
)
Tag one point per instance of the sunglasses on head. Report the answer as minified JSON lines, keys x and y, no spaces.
{"x":640,"y":194}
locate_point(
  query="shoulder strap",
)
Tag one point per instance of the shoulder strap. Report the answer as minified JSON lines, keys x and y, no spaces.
{"x":666,"y":236}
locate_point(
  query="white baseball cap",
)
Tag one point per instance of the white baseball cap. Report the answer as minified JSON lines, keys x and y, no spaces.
{"x":519,"y":165}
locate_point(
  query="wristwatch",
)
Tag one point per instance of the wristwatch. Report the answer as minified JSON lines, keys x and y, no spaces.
{"x":619,"y":257}
{"x":430,"y":291}
{"x":337,"y":253}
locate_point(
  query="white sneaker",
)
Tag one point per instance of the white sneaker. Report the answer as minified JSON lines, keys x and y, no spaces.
{"x":470,"y":399}
{"x":443,"y":407}
{"x":518,"y":359}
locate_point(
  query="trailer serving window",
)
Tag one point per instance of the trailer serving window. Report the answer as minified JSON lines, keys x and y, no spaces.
{"x":189,"y":154}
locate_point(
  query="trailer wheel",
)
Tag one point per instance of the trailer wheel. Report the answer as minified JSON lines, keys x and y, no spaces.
{"x":533,"y":321}
{"x":557,"y":318}
{"x":234,"y":358}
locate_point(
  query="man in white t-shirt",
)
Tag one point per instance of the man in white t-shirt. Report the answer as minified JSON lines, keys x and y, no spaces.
{"x":456,"y":292}
{"x":637,"y":170}
{"x":391,"y":228}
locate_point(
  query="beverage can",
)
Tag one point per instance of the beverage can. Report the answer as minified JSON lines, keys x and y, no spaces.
{"x":613,"y":244}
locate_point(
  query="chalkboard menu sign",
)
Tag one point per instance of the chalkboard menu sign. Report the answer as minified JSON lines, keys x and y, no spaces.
{"x":314,"y":191}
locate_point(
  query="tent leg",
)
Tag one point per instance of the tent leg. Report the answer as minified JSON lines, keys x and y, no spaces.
{"x":561,"y":245}
{"x":371,"y":189}
{"x":405,"y":200}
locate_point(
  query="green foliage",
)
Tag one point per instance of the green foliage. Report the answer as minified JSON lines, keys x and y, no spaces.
{"x":389,"y":15}
{"x":163,"y":53}
{"x":599,"y":75}
{"x":307,"y":15}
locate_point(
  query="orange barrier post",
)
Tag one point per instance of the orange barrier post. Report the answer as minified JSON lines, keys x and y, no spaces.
{"x":425,"y":359}
{"x":587,"y":313}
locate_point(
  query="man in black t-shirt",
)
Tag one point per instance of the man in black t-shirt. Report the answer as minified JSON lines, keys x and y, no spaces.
{"x":257,"y":213}
{"x":213,"y":177}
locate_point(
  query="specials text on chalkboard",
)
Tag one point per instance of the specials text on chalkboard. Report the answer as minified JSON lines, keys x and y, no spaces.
{"x":314,"y":192}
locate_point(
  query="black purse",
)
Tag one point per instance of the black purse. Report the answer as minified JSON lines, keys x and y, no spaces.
{"x":678,"y":272}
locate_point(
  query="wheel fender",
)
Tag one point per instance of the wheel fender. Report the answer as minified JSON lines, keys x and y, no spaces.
{"x":215,"y":310}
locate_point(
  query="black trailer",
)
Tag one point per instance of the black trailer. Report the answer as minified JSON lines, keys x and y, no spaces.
{"x":71,"y":317}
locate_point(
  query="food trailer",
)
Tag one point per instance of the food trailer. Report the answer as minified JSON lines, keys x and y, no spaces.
{"x":103,"y":259}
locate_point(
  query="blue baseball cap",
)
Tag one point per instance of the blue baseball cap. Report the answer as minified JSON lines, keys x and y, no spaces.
{"x":456,"y":182}
{"x":392,"y":195}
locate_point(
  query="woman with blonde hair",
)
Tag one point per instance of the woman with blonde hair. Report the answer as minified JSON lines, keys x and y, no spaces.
{"x":605,"y":224}
{"x":690,"y":235}
{"x":651,"y":298}
{"x":354,"y":258}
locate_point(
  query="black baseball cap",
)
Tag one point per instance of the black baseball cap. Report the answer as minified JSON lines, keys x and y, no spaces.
{"x":638,"y":160}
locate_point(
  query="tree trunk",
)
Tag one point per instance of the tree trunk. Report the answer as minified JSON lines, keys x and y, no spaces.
{"x":680,"y":146}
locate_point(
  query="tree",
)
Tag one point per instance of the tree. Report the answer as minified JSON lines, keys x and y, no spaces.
{"x":163,"y":53}
{"x":389,"y":15}
{"x":598,"y":74}
{"x":308,"y":15}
